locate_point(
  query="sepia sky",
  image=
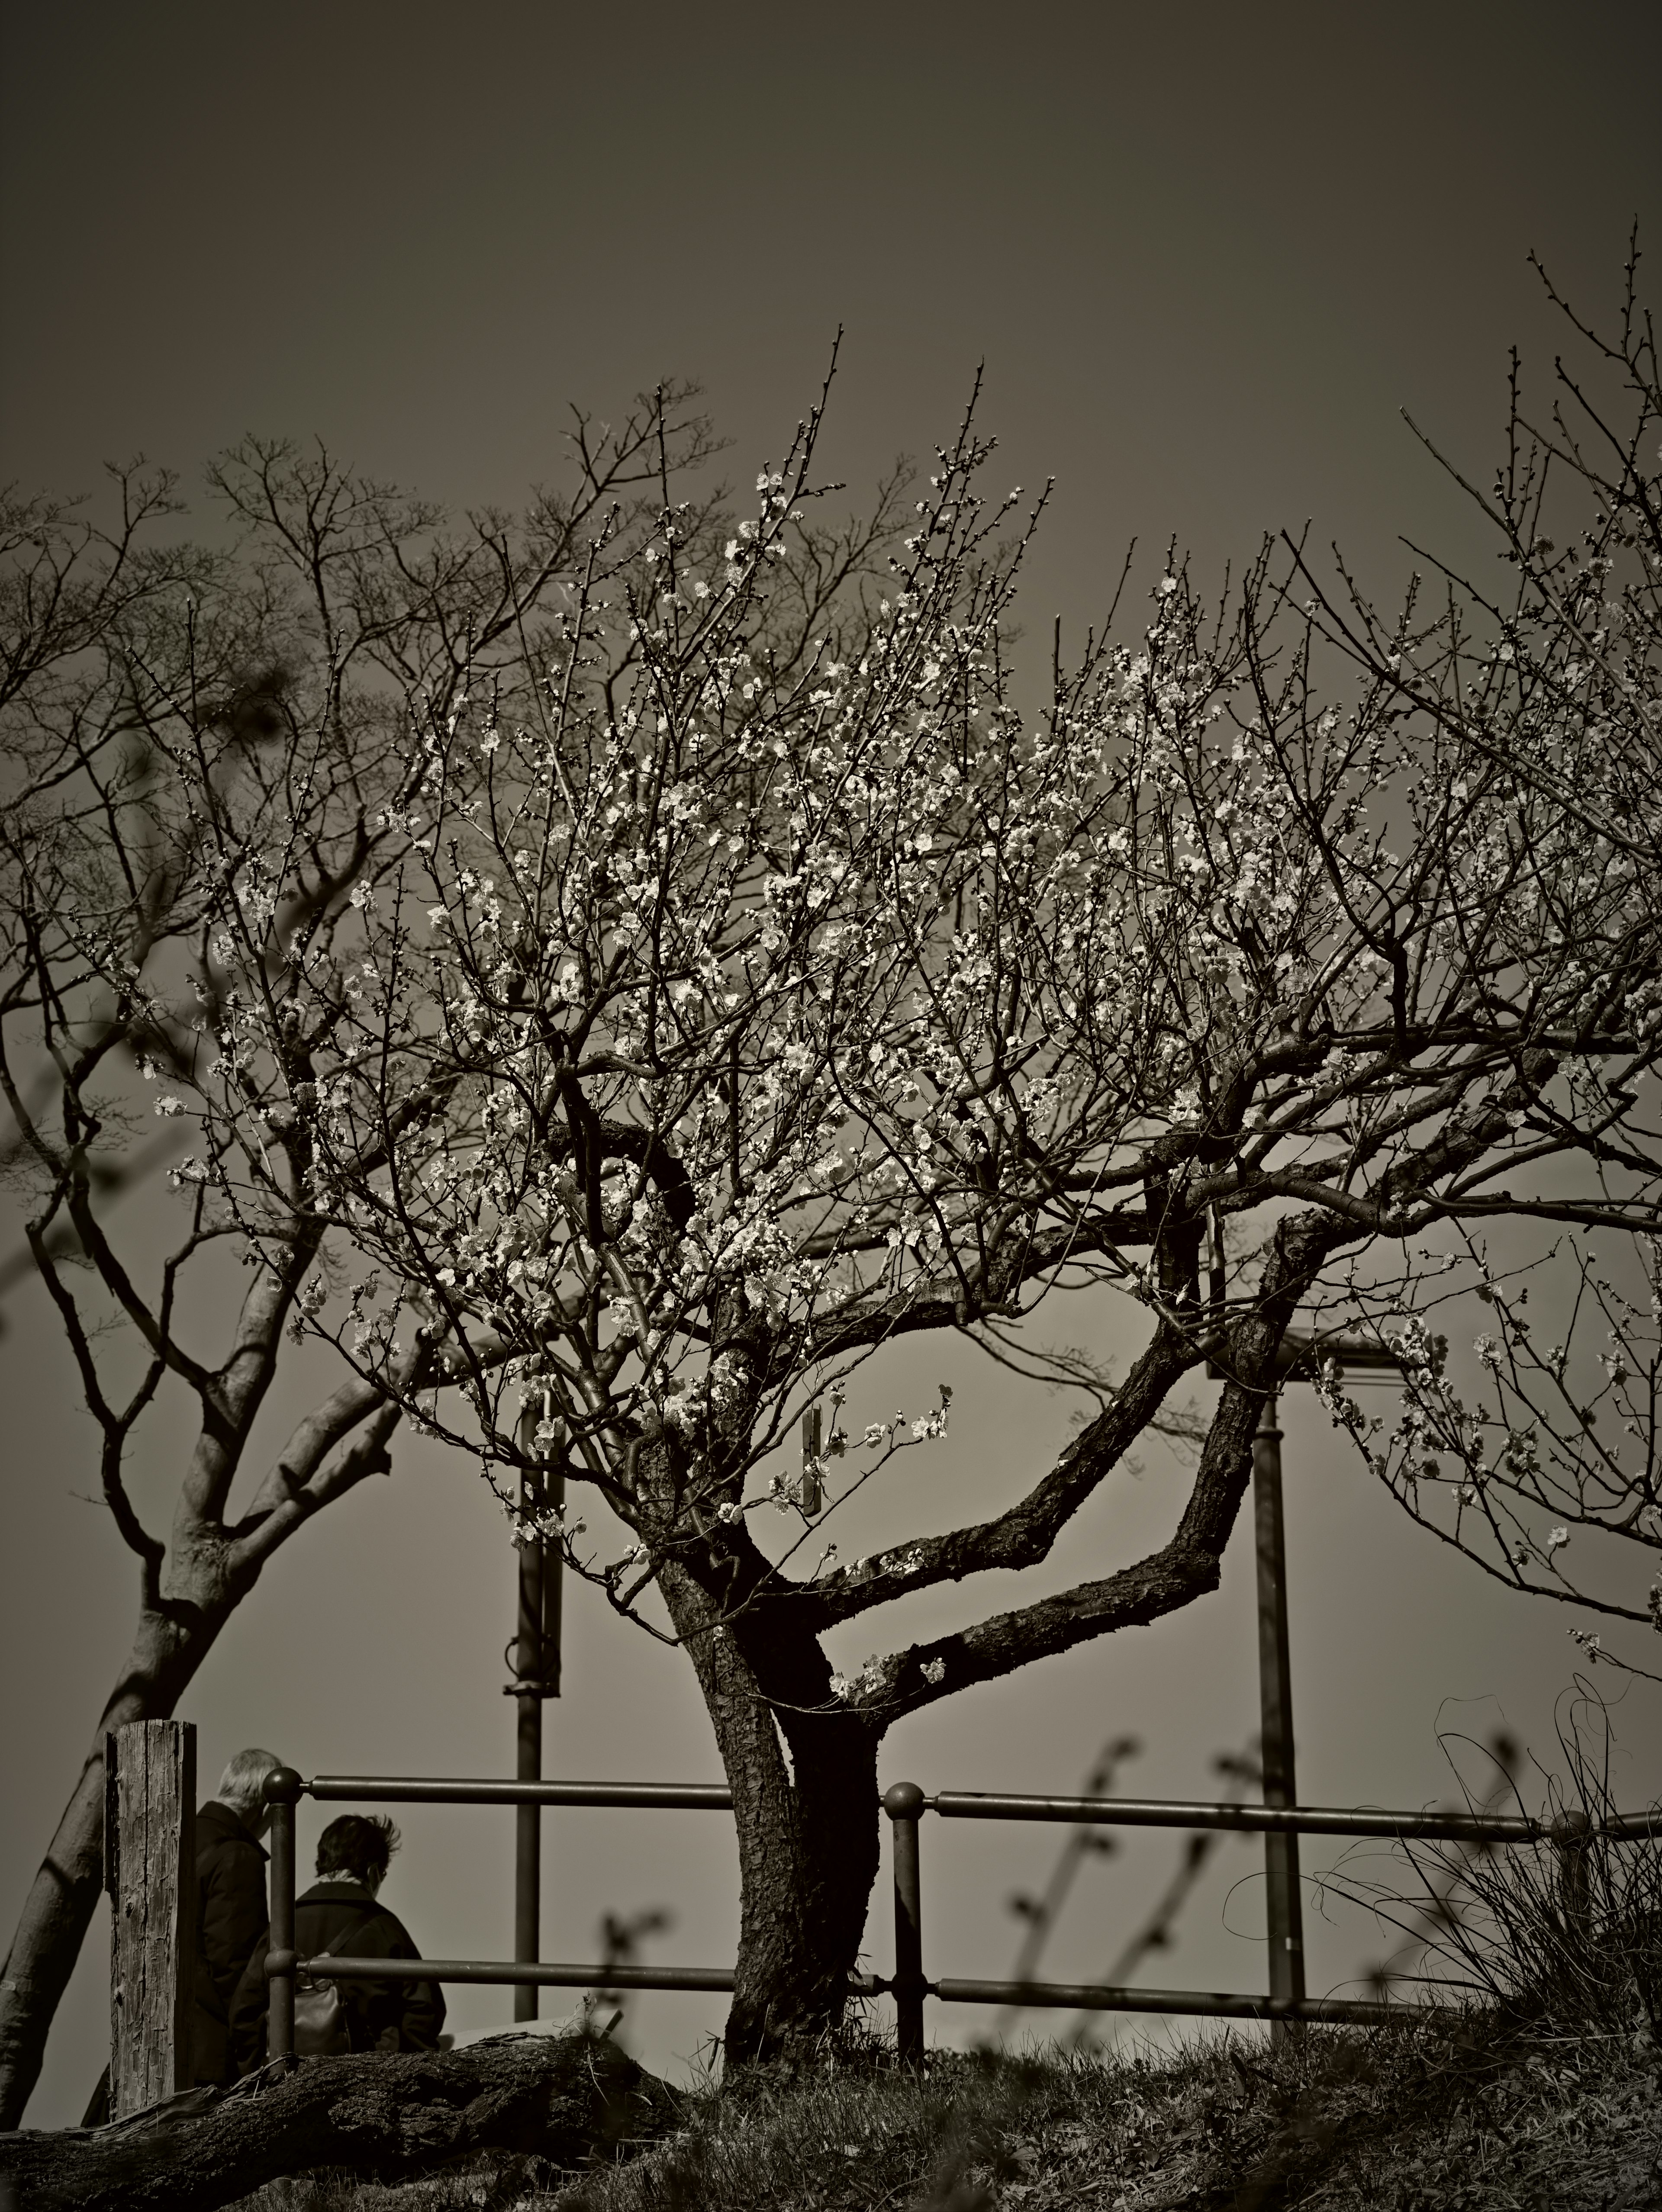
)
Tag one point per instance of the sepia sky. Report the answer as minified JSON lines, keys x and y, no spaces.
{"x":1207,"y":255}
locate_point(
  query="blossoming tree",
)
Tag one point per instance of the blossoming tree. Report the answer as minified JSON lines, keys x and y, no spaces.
{"x":750,"y":980}
{"x":1531,"y":1445}
{"x":199,"y":751}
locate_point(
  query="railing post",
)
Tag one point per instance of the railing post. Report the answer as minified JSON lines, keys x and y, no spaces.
{"x":281,"y":1794}
{"x":151,"y":1873}
{"x":811,"y":1496}
{"x":536,"y":1666}
{"x":1283,"y":1900}
{"x":1571,"y":1833}
{"x":527,"y":1690}
{"x":903,"y":1802}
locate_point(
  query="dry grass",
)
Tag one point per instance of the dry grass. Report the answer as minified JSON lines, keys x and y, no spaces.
{"x":1469,"y":2117}
{"x":1398,"y":2121}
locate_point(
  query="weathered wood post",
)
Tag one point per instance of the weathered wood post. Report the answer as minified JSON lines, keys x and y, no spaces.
{"x":149,"y":1870}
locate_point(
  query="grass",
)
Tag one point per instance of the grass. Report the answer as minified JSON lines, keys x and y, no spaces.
{"x":1565,"y":1931}
{"x":1467,"y":2115}
{"x":1388,"y":2120}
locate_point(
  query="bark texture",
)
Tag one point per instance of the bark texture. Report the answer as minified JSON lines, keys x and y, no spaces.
{"x":564,"y":2098}
{"x":806,"y":1823}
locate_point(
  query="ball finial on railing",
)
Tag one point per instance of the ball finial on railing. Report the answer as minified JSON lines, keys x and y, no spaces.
{"x":1569,"y":1831}
{"x":903,"y":1801}
{"x":282,"y":1786}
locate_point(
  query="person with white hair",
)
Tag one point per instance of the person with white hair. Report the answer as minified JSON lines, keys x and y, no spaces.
{"x":231,"y":1911}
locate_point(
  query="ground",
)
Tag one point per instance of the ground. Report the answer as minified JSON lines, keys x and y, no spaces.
{"x":1471,"y":2117}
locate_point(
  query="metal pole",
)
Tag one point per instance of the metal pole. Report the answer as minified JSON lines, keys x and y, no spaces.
{"x":553,"y":1586}
{"x":812,"y":1495}
{"x":529,"y":1762}
{"x":1572,"y":1834}
{"x":1284,"y":1903}
{"x":902,"y":1802}
{"x":281,"y":1794}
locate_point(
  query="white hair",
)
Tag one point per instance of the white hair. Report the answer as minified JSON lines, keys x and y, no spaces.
{"x":242,"y":1785}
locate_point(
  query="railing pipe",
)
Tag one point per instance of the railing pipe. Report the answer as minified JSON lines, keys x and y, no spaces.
{"x":1270,"y":1820}
{"x":983,"y":1805}
{"x":1084,"y":1997}
{"x":903,"y":1802}
{"x":282,"y":1789}
{"x":520,"y":1973}
{"x":1090,"y":1997}
{"x":1629,"y":1827}
{"x":417,"y":1789}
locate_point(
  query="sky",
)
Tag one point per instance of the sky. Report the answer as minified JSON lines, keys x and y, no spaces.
{"x":1207,"y":258}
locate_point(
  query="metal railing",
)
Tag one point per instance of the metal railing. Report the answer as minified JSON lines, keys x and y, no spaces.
{"x":905,"y":1803}
{"x":284,"y":1790}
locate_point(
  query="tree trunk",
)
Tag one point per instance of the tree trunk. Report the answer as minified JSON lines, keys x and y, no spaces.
{"x":166,"y":1651}
{"x":808,"y":1843}
{"x":564,"y":2098}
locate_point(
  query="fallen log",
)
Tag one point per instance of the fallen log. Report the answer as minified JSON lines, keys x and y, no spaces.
{"x":568,"y":2098}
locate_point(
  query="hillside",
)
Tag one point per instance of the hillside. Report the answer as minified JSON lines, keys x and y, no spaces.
{"x":1425,"y":2118}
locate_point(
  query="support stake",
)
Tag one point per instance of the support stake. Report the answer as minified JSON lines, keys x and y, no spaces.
{"x":150,"y":1870}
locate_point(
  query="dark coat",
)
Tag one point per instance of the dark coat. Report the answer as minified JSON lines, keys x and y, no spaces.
{"x":380,"y":2015}
{"x":230,"y":1921}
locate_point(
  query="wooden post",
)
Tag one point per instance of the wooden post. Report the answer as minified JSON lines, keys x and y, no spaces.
{"x":149,"y":1860}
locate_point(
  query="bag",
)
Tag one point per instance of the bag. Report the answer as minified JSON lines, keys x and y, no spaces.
{"x":320,"y":2024}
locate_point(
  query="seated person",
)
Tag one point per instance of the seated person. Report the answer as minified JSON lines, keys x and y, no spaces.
{"x":230,"y":1905}
{"x":339,"y":1914}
